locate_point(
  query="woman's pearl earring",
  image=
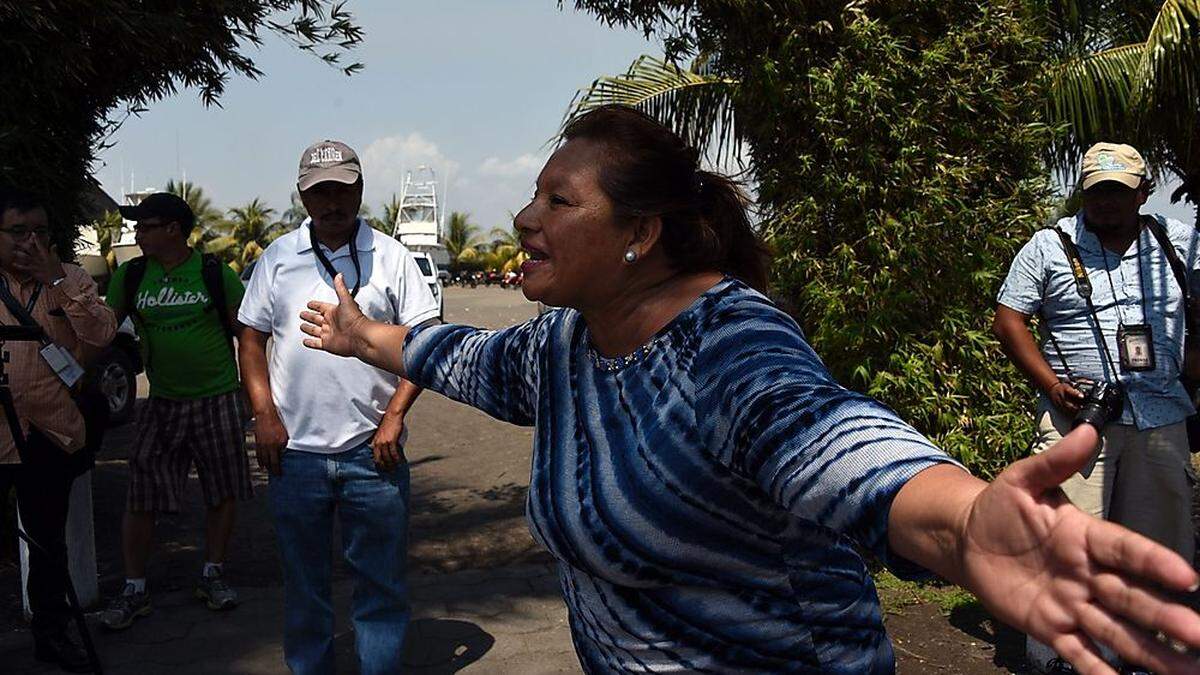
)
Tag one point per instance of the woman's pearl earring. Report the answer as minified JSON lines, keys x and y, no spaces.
{"x":631,"y":256}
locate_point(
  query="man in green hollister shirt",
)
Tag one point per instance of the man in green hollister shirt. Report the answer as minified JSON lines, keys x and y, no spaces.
{"x":184,"y":344}
{"x":195,"y":412}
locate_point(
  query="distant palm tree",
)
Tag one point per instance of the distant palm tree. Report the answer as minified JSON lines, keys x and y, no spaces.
{"x":202,"y":207}
{"x":391,"y":212}
{"x":387,"y":222}
{"x":247,"y":232}
{"x":295,"y":213}
{"x":108,"y":232}
{"x":462,"y":240}
{"x":364,"y":212}
{"x":209,"y":218}
{"x":506,"y":254}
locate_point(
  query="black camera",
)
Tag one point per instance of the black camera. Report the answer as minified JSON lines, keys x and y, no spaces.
{"x":1101,"y":404}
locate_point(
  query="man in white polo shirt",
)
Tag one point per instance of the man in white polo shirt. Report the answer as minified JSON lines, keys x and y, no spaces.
{"x":328,"y":430}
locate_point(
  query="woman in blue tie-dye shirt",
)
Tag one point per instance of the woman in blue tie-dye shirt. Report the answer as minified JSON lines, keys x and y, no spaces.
{"x":705,"y":485}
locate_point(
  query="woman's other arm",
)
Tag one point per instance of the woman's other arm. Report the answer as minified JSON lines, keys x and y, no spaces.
{"x":1045,"y":567}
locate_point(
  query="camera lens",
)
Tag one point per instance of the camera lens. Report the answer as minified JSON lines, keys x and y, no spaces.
{"x":1101,"y":404}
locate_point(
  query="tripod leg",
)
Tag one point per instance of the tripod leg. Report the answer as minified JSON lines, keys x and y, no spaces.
{"x":72,"y":599}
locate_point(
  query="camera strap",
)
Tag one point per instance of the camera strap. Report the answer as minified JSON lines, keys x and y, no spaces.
{"x":1084,"y":287}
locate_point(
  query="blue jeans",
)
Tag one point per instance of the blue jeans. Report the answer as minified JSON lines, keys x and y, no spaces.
{"x":373,"y":509}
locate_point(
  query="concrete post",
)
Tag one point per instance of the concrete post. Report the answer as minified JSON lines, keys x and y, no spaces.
{"x":81,"y":547}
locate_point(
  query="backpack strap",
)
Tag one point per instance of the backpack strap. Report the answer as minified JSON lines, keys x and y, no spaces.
{"x":135,"y":271}
{"x":1158,"y":229}
{"x":214,"y":282}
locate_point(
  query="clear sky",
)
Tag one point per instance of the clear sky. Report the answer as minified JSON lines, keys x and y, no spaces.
{"x":474,"y":88}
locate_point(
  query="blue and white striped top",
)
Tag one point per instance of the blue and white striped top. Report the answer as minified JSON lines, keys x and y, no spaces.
{"x":706,"y":500}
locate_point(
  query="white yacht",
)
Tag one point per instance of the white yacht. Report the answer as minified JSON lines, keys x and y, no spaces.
{"x":419,"y":221}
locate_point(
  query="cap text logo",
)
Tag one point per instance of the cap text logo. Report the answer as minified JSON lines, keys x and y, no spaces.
{"x":325,"y":155}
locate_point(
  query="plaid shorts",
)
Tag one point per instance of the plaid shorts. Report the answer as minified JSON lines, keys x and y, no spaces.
{"x":172,"y":434}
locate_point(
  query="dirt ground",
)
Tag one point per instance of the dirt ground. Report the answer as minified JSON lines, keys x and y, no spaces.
{"x":469,"y":478}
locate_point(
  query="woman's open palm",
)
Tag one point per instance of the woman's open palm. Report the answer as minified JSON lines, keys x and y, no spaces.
{"x":332,"y":326}
{"x":1071,"y":580}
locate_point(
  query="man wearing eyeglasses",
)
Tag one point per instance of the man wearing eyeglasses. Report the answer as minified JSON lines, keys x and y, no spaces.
{"x":61,"y":300}
{"x":184,"y":306}
{"x":1110,"y":287}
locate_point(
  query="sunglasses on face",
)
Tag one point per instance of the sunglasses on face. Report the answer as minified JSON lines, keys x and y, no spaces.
{"x":143,"y":225}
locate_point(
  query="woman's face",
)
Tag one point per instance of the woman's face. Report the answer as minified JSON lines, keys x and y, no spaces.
{"x":571,"y":233}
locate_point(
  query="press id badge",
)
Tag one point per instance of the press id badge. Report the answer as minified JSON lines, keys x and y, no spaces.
{"x":62,"y":363}
{"x":1135,"y":346}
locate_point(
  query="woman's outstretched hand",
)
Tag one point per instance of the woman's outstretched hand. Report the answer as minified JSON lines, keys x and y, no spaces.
{"x":333,"y":327}
{"x":1069,"y":579}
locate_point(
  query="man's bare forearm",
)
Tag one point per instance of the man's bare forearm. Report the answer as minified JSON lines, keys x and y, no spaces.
{"x":406,"y":394}
{"x":252,"y":356}
{"x":1012,"y":329}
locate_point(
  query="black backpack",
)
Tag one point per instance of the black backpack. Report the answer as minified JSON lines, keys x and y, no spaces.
{"x":210,"y":273}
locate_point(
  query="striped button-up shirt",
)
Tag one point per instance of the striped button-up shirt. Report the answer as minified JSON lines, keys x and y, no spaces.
{"x":75,"y":318}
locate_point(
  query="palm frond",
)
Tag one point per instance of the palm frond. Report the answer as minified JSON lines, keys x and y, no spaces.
{"x":221,"y":244}
{"x":1168,"y":71}
{"x":696,"y":103}
{"x":1146,"y":93}
{"x":1091,"y":96}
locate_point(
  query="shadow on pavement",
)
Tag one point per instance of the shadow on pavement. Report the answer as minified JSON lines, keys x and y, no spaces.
{"x":1009,"y":644}
{"x":437,"y":646}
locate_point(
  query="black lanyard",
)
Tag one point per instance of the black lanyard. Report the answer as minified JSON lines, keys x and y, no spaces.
{"x":316,"y":247}
{"x":1141,"y":280}
{"x":37,"y":291}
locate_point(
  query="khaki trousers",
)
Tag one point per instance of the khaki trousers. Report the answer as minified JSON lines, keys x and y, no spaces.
{"x":1142,"y":479}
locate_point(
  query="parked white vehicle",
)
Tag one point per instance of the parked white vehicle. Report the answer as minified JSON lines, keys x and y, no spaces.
{"x":114,"y":373}
{"x":429,"y":272}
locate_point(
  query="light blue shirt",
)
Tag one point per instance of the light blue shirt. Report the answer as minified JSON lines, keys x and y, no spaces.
{"x":1143,"y":290}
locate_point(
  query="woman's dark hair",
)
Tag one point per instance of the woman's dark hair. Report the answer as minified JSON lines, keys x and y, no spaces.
{"x":652,"y":172}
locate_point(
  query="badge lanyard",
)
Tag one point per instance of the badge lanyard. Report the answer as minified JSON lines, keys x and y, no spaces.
{"x":1135,"y":342}
{"x":37,"y":291}
{"x":316,"y":247}
{"x":64,"y":365}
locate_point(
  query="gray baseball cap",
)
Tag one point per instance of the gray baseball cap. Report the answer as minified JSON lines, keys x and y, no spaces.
{"x":328,"y":160}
